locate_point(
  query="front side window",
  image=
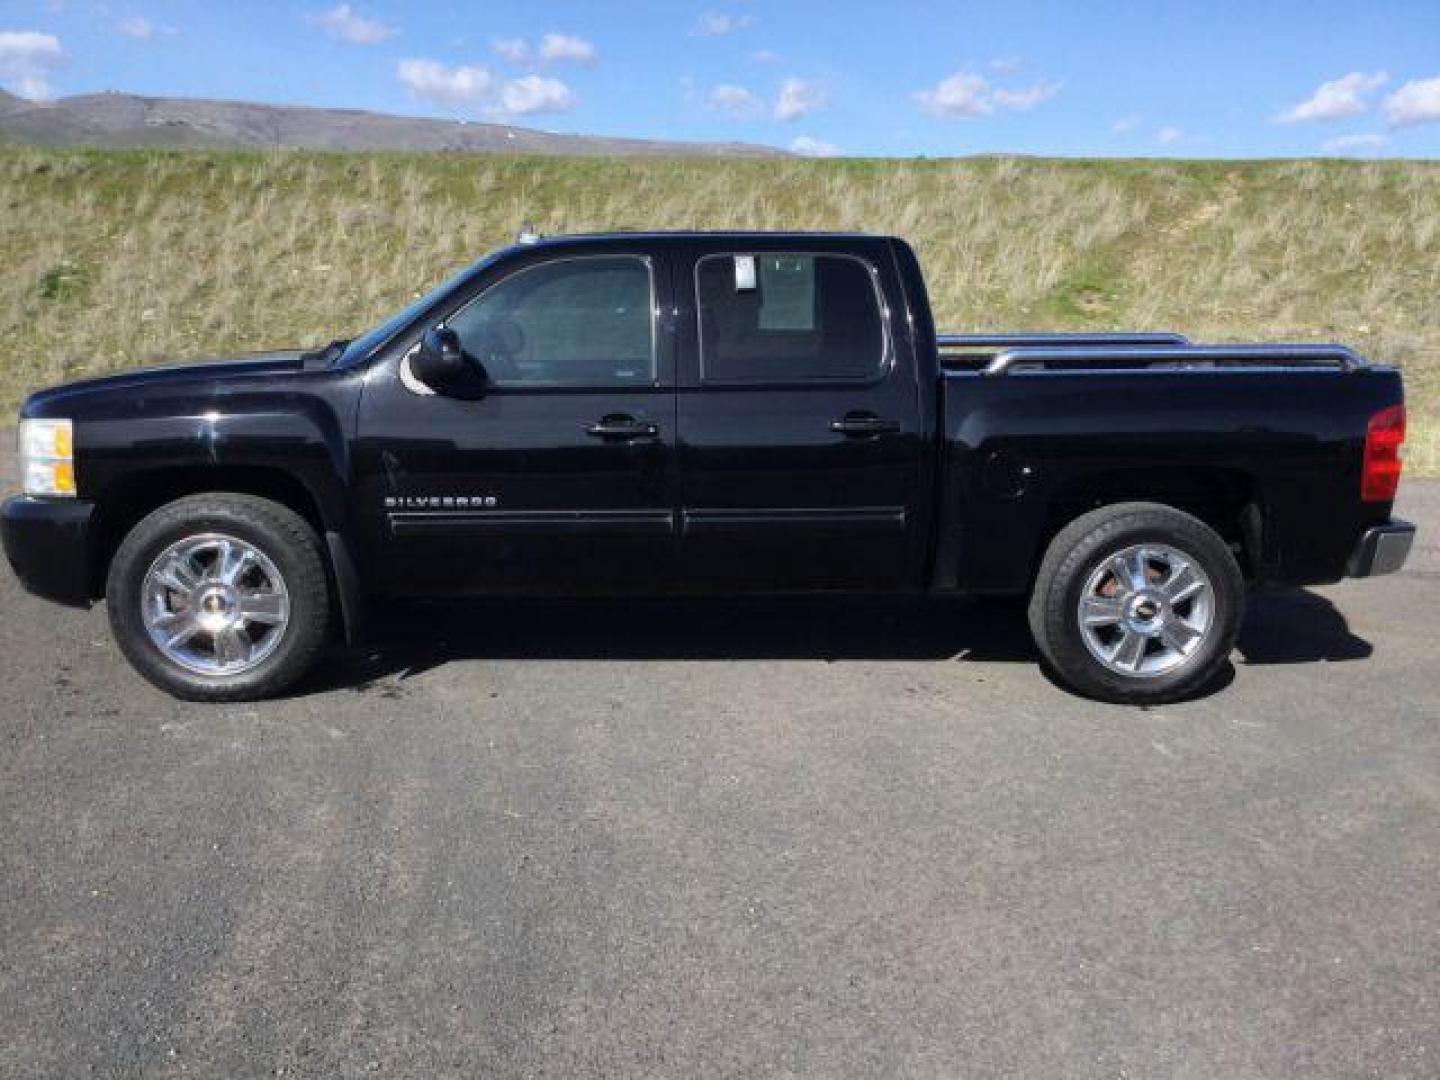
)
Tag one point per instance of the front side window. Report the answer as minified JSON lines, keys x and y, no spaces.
{"x":574,"y":322}
{"x":783,"y":318}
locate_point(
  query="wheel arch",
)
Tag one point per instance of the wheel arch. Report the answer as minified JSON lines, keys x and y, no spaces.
{"x":129,"y":499}
{"x":1227,"y":500}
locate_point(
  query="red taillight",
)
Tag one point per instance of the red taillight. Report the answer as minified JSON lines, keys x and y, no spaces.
{"x":1381,"y":473}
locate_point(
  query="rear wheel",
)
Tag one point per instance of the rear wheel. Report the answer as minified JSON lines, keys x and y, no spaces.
{"x":1137,"y":603}
{"x":220,"y":597}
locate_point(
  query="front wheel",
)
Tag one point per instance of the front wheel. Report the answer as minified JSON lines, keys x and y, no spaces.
{"x":220,"y":597}
{"x":1137,"y":603}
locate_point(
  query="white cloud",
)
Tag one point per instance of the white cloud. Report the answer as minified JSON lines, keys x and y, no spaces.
{"x":26,"y":61}
{"x":968,"y":95}
{"x":799,"y":98}
{"x":567,"y":47}
{"x":765,"y":56}
{"x":442,"y":85}
{"x":344,"y":22}
{"x":553,"y":48}
{"x":1005,"y":65}
{"x":1026,"y":99}
{"x":1337,"y":99}
{"x":1126,"y":124}
{"x":805,"y":146}
{"x":962,"y":94}
{"x":137,"y":26}
{"x":718,"y":23}
{"x":735,"y":100}
{"x":533,"y":94}
{"x":1169,"y":136}
{"x":1417,"y":102}
{"x":142,"y":29}
{"x":516,"y":50}
{"x":452,"y":87}
{"x":1369,"y":140}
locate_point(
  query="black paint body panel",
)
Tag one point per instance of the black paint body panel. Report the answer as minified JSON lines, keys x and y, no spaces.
{"x":267,"y":413}
{"x":773,"y":499}
{"x":47,"y":542}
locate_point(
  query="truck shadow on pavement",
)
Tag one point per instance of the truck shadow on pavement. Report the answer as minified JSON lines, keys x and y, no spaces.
{"x":1282,"y":627}
{"x":1295,"y":626}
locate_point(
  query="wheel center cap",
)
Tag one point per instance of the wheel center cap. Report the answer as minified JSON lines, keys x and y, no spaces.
{"x":217,"y":608}
{"x":1144,"y":613}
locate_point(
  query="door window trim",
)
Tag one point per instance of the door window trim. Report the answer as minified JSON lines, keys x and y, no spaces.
{"x":887,"y":343}
{"x":655,"y":380}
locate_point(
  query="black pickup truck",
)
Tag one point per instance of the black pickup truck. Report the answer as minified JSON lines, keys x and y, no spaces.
{"x":707,"y":413}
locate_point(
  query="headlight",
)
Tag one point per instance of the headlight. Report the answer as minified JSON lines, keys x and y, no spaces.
{"x":47,"y":457}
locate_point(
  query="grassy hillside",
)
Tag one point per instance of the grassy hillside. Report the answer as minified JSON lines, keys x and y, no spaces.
{"x":121,"y":258}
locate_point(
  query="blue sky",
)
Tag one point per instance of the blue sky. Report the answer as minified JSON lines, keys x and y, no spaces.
{"x":1210,"y":78}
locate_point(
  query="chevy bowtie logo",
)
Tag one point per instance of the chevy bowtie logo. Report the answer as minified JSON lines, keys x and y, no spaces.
{"x":441,"y":502}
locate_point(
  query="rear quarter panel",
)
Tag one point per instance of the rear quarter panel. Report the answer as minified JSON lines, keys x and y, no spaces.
{"x":1023,"y":451}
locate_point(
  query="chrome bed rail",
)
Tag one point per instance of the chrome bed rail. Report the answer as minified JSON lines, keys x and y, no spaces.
{"x":956,"y":342}
{"x":1178,"y":357}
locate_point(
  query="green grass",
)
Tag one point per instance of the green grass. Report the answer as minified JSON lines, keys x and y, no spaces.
{"x":118,"y":258}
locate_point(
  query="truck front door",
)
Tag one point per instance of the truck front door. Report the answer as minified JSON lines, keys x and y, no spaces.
{"x":559,"y":477}
{"x":800,"y":432}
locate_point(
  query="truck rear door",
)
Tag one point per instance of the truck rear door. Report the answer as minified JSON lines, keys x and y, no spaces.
{"x":798,"y":419}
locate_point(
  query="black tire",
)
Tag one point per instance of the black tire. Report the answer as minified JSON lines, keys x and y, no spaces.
{"x":281,"y":535}
{"x":1080,"y":549}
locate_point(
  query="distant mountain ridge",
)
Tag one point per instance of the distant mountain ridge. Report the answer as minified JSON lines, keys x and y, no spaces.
{"x":119,"y":120}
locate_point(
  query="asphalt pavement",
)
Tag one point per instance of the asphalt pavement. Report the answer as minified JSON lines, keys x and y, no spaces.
{"x":746,"y":839}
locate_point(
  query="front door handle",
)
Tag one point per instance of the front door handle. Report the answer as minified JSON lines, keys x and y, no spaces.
{"x":861,"y":424}
{"x":622,"y":427}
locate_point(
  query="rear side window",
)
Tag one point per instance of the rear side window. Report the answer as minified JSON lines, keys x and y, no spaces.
{"x":775,"y":317}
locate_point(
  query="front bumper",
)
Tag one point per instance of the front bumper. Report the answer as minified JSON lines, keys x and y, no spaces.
{"x":48,"y":544}
{"x":1382,"y":550}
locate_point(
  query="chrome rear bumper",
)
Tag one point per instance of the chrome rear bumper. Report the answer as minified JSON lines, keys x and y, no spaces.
{"x":1382,"y":550}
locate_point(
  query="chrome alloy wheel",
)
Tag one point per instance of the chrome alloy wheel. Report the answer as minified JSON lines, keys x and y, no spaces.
{"x":215,"y":604}
{"x":1145,"y":610}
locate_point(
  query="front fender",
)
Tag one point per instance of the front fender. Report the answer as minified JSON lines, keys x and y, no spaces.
{"x":300,"y":428}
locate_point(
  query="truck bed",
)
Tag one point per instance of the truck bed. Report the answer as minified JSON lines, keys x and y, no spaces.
{"x":1035,"y":425}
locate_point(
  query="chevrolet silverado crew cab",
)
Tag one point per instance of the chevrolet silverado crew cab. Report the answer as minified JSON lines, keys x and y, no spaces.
{"x":707,"y":413}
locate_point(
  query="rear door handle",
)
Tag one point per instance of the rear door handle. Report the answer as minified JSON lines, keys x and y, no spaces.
{"x":864,"y":424}
{"x":622,"y":427}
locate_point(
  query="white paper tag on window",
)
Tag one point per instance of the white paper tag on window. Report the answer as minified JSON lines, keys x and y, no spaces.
{"x":744,"y":273}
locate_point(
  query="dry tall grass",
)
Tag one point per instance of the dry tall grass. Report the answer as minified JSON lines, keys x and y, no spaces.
{"x":122,"y":258}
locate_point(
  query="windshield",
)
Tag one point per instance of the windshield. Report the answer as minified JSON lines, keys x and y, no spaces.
{"x":368,"y":342}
